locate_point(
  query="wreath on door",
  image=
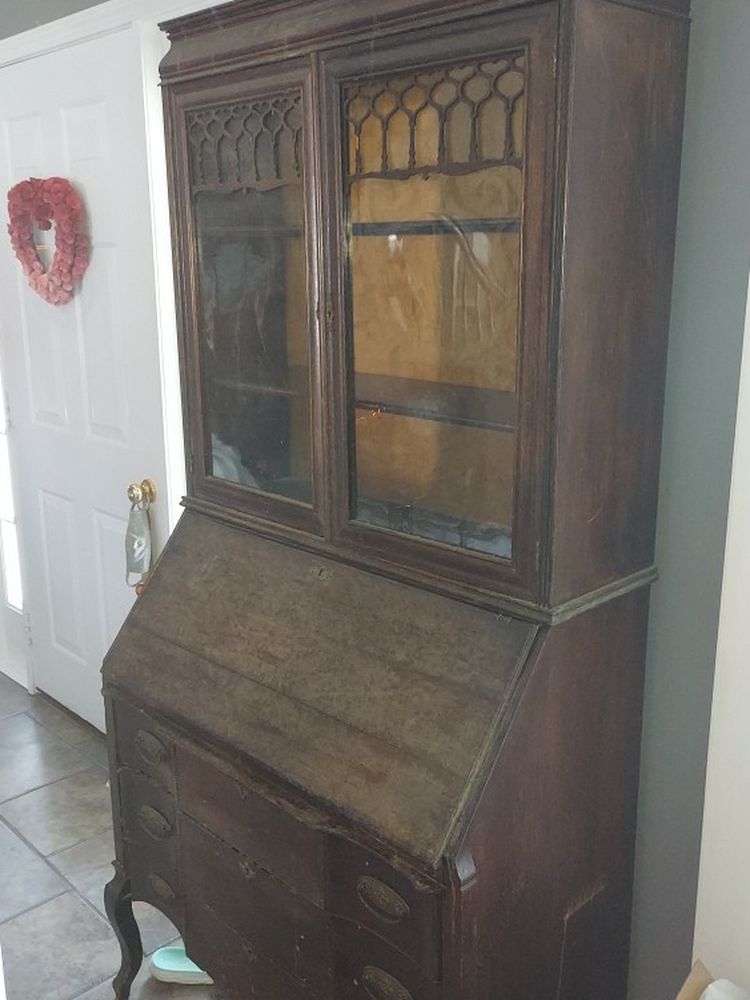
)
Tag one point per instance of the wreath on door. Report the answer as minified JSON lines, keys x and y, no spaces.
{"x":52,"y":201}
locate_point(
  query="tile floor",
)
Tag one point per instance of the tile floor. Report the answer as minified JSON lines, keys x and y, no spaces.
{"x":55,"y":857}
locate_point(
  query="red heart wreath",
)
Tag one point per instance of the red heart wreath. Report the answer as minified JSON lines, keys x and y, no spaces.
{"x":52,"y":201}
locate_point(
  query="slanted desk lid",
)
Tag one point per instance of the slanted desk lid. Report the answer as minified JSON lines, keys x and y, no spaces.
{"x":378,"y":699}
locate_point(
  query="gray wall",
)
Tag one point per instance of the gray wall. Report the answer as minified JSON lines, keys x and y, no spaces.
{"x":19,"y":15}
{"x":707,"y":322}
{"x":710,"y":295}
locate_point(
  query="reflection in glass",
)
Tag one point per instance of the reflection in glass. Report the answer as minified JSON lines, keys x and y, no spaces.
{"x":435,"y":194}
{"x":249,"y":216}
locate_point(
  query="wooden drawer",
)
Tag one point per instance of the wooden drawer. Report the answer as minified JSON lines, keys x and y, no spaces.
{"x":150,"y":842}
{"x":265,"y":833}
{"x":367,"y":968}
{"x":366,"y":890}
{"x":143,"y":746}
{"x":149,"y":822}
{"x":276,"y":922}
{"x":236,"y":969}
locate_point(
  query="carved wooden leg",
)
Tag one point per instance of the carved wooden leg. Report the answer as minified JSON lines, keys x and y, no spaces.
{"x":119,"y":905}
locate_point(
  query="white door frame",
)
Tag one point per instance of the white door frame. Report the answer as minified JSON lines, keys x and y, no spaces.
{"x":97,"y":22}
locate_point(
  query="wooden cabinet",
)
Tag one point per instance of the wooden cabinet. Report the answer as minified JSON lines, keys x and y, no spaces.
{"x":375,"y":720}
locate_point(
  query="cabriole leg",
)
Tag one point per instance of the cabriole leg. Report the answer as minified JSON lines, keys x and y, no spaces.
{"x":119,"y":905}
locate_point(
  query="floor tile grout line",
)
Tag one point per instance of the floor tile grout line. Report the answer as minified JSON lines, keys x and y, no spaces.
{"x":45,"y":857}
{"x":83,"y":840}
{"x":14,"y":715}
{"x":49,"y":729}
{"x":104,"y":982}
{"x":48,"y":784}
{"x":32,"y":847}
{"x":28,"y":713}
{"x":36,"y":906}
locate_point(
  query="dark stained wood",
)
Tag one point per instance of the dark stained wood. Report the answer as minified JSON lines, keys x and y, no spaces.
{"x":555,"y":826}
{"x":179,"y":101}
{"x":145,"y":748}
{"x":343,"y":681}
{"x":275,"y":922}
{"x":367,"y":969}
{"x":624,"y":113}
{"x":537,"y":32}
{"x":367,"y":891}
{"x":243,"y":974}
{"x":215,"y":40}
{"x":456,"y":404}
{"x":587,"y":462}
{"x":351,"y":764}
{"x":149,"y":823}
{"x":118,"y":903}
{"x":271,"y":838}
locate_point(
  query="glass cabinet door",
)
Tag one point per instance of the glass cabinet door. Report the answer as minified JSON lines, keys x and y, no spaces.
{"x":249,"y":215}
{"x":433,"y":203}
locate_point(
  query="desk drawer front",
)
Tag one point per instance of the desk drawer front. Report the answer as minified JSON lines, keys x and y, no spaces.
{"x":278,"y":923}
{"x":265,"y":833}
{"x":232,"y":963}
{"x":366,"y":968}
{"x":366,"y":890}
{"x":149,"y":822}
{"x":143,"y":746}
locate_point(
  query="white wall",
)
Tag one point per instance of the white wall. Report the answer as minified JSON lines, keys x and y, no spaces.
{"x":708,"y":317}
{"x":20,"y":15}
{"x":722,"y":926}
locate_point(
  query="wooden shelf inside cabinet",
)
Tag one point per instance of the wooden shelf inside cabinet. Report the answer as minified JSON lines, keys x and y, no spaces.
{"x":242,"y":229}
{"x":433,"y":526}
{"x":436,"y":227}
{"x":255,"y":387}
{"x":464,"y":405}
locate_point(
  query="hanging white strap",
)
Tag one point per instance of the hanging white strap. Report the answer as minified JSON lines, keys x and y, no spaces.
{"x":137,"y":544}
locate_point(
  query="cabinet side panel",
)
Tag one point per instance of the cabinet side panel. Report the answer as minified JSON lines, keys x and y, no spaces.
{"x":550,"y":848}
{"x":625,"y":116}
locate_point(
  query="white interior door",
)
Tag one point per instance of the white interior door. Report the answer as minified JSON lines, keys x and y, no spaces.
{"x":83,"y":379}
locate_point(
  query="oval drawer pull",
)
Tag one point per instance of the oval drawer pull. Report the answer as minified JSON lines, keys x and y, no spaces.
{"x":150,"y":747}
{"x":381,"y":900}
{"x":162,"y":888}
{"x":379,"y":985}
{"x":155,"y":825}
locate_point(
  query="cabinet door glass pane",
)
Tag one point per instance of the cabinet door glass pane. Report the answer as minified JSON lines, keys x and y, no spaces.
{"x":434,"y":198}
{"x":249,"y":211}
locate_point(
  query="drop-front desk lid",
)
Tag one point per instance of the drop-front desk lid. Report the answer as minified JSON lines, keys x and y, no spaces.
{"x":381,"y":701}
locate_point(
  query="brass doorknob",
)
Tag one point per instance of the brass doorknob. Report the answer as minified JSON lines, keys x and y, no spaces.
{"x":144,"y":492}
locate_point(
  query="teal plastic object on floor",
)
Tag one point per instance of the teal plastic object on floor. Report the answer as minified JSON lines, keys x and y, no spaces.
{"x":171,"y":965}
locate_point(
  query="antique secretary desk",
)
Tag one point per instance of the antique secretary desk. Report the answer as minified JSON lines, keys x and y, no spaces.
{"x":374,"y":723}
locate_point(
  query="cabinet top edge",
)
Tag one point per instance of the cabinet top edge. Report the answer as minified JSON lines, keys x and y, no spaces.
{"x":225,"y":15}
{"x":230,"y":14}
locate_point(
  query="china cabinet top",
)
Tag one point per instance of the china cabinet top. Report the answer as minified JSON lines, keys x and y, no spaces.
{"x":421,"y":326}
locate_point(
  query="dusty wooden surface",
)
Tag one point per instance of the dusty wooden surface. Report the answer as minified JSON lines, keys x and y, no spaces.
{"x":369,"y":694}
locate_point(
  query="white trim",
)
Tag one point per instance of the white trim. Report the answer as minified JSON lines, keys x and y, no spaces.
{"x":103,"y":19}
{"x":153,"y":46}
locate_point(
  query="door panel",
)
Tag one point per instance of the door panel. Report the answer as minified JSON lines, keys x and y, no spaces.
{"x":438,"y":158}
{"x":83,"y":379}
{"x":250,"y":324}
